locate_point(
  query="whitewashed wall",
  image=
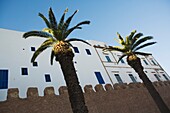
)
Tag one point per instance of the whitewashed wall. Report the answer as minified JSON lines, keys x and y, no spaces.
{"x":15,"y":53}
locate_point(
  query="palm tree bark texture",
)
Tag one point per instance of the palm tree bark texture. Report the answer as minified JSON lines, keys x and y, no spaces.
{"x":74,"y":89}
{"x":136,"y":65}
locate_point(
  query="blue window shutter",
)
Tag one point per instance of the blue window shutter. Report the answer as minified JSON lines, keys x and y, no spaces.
{"x":132,"y":78}
{"x":76,"y":50}
{"x":32,"y":48}
{"x":118,"y":78}
{"x":99,"y":78}
{"x":88,"y":52}
{"x":35,"y":64}
{"x":24,"y":71}
{"x":108,"y":58}
{"x":47,"y":78}
{"x":3,"y":79}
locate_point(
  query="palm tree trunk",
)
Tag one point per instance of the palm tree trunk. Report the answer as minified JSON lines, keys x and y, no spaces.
{"x":74,"y":89}
{"x":136,"y":65}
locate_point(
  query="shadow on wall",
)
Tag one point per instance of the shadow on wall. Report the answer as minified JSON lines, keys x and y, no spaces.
{"x":119,"y":98}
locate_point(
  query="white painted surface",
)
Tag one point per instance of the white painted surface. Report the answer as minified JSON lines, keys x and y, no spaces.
{"x":15,"y":53}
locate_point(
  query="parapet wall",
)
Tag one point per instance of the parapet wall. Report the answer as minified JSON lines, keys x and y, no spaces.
{"x":119,"y":98}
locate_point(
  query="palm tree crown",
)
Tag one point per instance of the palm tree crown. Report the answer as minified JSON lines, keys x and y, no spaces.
{"x":56,"y":34}
{"x":131,"y":44}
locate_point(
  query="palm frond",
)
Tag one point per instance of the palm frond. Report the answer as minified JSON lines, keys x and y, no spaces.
{"x":75,"y":39}
{"x":44,"y":45}
{"x":75,"y":27}
{"x":62,"y":20}
{"x":52,"y":57}
{"x":37,"y":33}
{"x":144,"y":45}
{"x":45,"y":20}
{"x":52,"y":19}
{"x":122,"y":42}
{"x":67,"y":23}
{"x":121,"y":58}
{"x":140,"y":41}
{"x":136,"y":37}
{"x":127,"y":41}
{"x":131,"y":35}
{"x":142,"y":53}
{"x":116,"y":48}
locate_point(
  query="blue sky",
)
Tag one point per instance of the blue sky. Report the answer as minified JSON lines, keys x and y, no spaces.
{"x":151,"y":17}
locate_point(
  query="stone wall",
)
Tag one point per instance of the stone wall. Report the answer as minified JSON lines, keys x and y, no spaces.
{"x":119,"y":98}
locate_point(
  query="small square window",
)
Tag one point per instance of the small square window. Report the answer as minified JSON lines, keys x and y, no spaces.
{"x":35,"y":64}
{"x":32,"y":48}
{"x":88,"y":52}
{"x":24,"y":71}
{"x":47,"y":78}
{"x":76,"y":50}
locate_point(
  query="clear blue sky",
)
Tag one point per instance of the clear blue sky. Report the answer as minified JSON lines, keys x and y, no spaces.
{"x":151,"y":17}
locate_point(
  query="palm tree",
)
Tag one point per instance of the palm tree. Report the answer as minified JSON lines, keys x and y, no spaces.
{"x":129,"y":47}
{"x":56,"y":37}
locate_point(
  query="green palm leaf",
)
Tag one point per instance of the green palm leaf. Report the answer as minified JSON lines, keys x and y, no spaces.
{"x":75,"y":39}
{"x":144,"y":45}
{"x":142,"y":53}
{"x":44,"y":45}
{"x":140,"y":41}
{"x":131,"y":35}
{"x":75,"y":27}
{"x":110,"y":48}
{"x":52,"y":19}
{"x":62,"y":20}
{"x":136,"y":37}
{"x":67,"y":23}
{"x":45,"y":20}
{"x":37,"y":33}
{"x":122,"y":42}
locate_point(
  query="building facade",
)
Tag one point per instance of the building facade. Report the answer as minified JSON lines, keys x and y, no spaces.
{"x":93,"y":66}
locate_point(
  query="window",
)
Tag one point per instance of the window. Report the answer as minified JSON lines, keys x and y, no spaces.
{"x":165,"y":77}
{"x":122,"y":61}
{"x":3,"y":79}
{"x":153,"y":62}
{"x":24,"y":71}
{"x":108,"y":58}
{"x":157,"y":77}
{"x":145,"y":62}
{"x":88,"y":52}
{"x":35,"y":64}
{"x":99,"y":78}
{"x":32,"y":48}
{"x":118,"y":78}
{"x":47,"y":78}
{"x":132,"y":78}
{"x":76,"y":50}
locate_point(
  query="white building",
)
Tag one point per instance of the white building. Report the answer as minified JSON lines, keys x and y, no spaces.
{"x":93,"y":66}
